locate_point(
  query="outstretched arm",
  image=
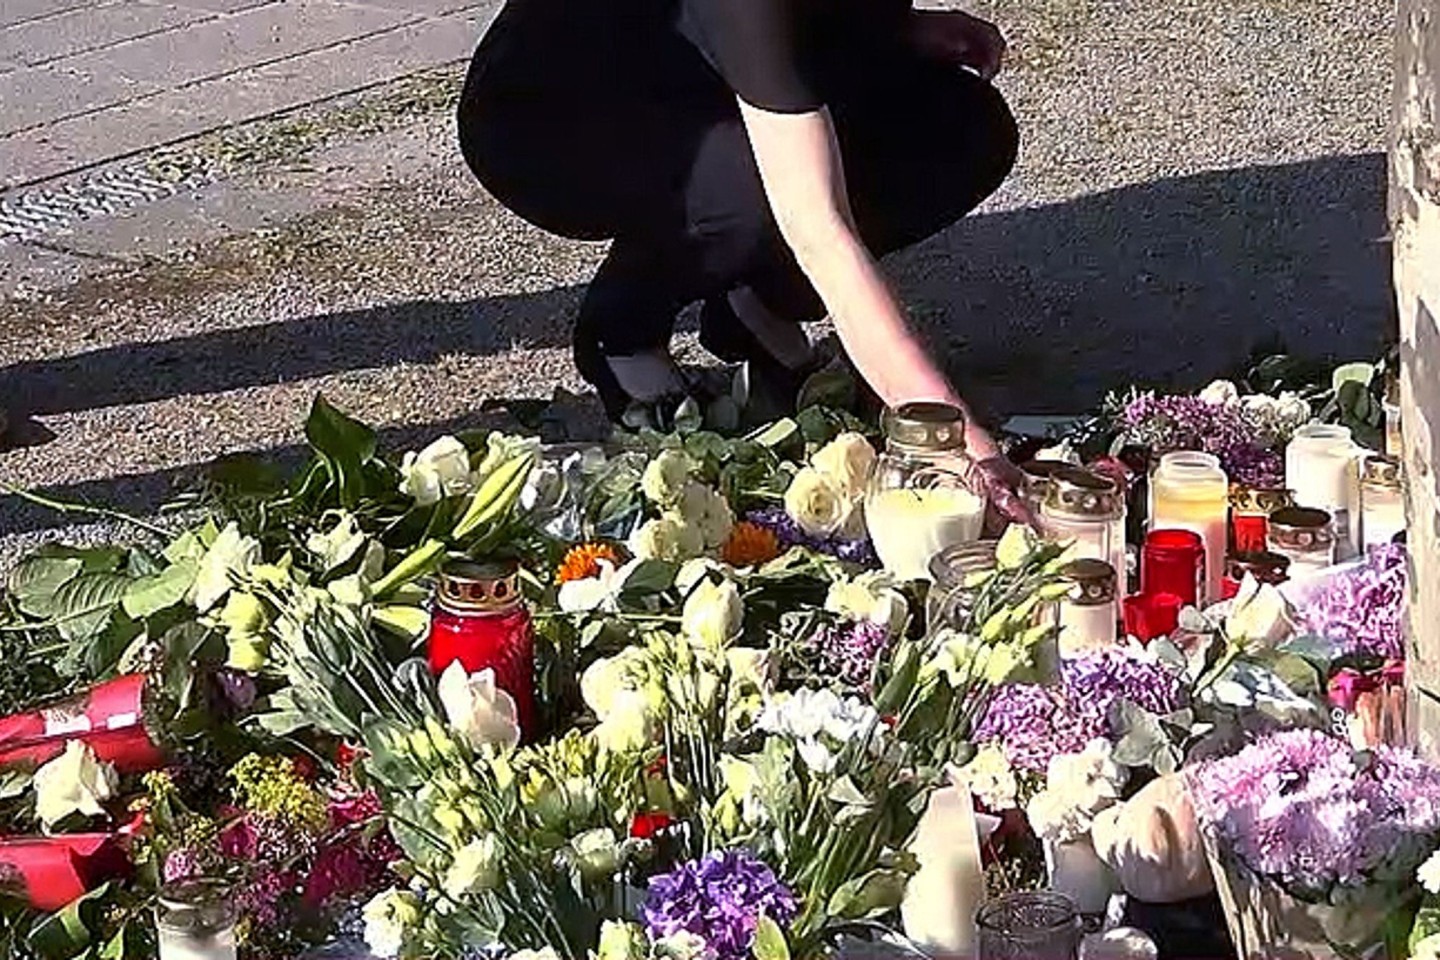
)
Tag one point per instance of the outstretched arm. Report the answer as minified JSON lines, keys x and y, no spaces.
{"x":799,"y":162}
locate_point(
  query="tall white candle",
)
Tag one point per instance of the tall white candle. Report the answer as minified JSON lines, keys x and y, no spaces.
{"x":942,"y":898}
{"x":1322,"y":468}
{"x":1190,"y":491}
{"x":909,"y":526}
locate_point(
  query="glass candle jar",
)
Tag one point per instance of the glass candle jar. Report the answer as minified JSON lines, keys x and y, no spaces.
{"x":1264,"y":566}
{"x":1189,"y":491}
{"x":1303,"y":536}
{"x":924,"y":495}
{"x":1119,"y":943}
{"x":195,"y":921}
{"x":1250,"y":509}
{"x":1038,"y":475}
{"x":1382,"y":501}
{"x":1087,"y":510}
{"x":1088,"y":614}
{"x":480,"y":620}
{"x":952,"y":591}
{"x":1149,"y":616}
{"x":1029,"y":925}
{"x":1322,"y":468}
{"x":1173,"y":561}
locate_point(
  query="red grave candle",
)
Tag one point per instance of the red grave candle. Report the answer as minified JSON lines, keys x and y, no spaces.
{"x":1250,"y":509}
{"x":1173,"y":561}
{"x":480,"y":620}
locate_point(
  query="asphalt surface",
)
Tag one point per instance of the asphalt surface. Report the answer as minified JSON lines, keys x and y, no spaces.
{"x":1197,"y":179}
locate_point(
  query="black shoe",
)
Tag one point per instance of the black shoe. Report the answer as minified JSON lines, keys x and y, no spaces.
{"x":622,"y":409}
{"x":772,"y":387}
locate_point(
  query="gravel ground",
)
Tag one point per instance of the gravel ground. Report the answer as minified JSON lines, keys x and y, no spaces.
{"x":1197,"y":178}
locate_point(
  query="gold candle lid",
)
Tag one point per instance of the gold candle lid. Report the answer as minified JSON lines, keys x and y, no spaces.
{"x":1380,"y":471}
{"x":488,"y":586}
{"x":1092,"y":582}
{"x":1301,"y":528}
{"x":926,"y":425}
{"x":959,"y":560}
{"x":1259,"y":500}
{"x":1083,"y":493}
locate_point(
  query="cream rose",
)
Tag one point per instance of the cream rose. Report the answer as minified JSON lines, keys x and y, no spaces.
{"x":1221,"y":393}
{"x":713,"y":613}
{"x":475,"y":869}
{"x":706,"y":510}
{"x":665,"y":478}
{"x":476,"y":709}
{"x":440,"y":470}
{"x":1260,"y":616}
{"x":75,"y":782}
{"x":815,"y":501}
{"x":849,"y":460}
{"x":872,"y":597}
{"x":669,"y":537}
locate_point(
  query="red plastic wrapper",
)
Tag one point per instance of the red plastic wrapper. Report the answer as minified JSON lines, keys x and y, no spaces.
{"x":109,"y":718}
{"x":1368,"y":707}
{"x":50,"y":872}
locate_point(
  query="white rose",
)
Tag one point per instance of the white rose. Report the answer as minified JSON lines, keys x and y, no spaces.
{"x":74,"y":782}
{"x":990,"y":778}
{"x":608,"y":677}
{"x":665,"y":478}
{"x":629,"y":725}
{"x":1429,"y":874}
{"x":229,"y":557}
{"x":1221,"y":393}
{"x":815,"y":501}
{"x":389,"y":918}
{"x":1260,"y":406}
{"x":683,"y":946}
{"x":1292,"y":408}
{"x":668,"y":537}
{"x":476,"y":709}
{"x":849,"y":460}
{"x":1259,"y":616}
{"x":440,"y":470}
{"x":475,"y":869}
{"x":872,"y":597}
{"x":713,"y":613}
{"x":600,"y":592}
{"x":707,"y":510}
{"x":596,"y":853}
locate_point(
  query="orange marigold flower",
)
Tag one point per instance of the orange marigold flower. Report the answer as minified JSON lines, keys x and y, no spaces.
{"x":749,"y":545}
{"x":583,"y":561}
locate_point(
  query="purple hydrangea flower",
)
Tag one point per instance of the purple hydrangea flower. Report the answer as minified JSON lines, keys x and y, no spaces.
{"x":788,"y":532}
{"x":1302,"y":808}
{"x":1364,"y":609}
{"x":720,"y":899}
{"x":1033,"y":724}
{"x":1166,"y":424}
{"x":850,"y":650}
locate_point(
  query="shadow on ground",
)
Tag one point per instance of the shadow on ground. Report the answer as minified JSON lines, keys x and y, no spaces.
{"x":1037,"y":309}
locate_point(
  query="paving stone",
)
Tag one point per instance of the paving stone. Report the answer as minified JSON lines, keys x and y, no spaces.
{"x":252,"y":37}
{"x":78,"y":31}
{"x":19,"y":11}
{"x":37,"y":95}
{"x":224,"y":6}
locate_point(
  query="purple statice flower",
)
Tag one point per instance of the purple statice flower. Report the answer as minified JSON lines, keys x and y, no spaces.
{"x":1034,"y":724}
{"x":181,"y":865}
{"x":788,"y":532}
{"x":1363,"y":609}
{"x":849,"y":650}
{"x":1170,"y":423}
{"x":720,"y":899}
{"x":1300,"y":807}
{"x":237,"y":688}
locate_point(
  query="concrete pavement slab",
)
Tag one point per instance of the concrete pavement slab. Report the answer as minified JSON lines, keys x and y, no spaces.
{"x":176,"y":114}
{"x":39,"y":95}
{"x":224,"y":6}
{"x":246,"y":39}
{"x":432,"y":8}
{"x":77,"y":31}
{"x":19,"y":11}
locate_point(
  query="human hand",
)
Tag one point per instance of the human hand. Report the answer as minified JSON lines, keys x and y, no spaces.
{"x":1003,"y":482}
{"x":957,"y":38}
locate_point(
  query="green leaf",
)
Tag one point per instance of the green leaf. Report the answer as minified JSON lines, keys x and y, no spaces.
{"x":776,"y":434}
{"x":92,"y":559}
{"x":104,"y":651}
{"x":67,"y":931}
{"x":420,"y":561}
{"x":142,"y":563}
{"x":770,"y":941}
{"x":409,"y":622}
{"x":1297,"y":673}
{"x":863,"y":898}
{"x":688,"y":416}
{"x":35,"y":581}
{"x":496,"y":496}
{"x":1359,"y":373}
{"x":344,"y":444}
{"x":149,"y":595}
{"x":831,"y":388}
{"x":897,"y":689}
{"x":187,"y":546}
{"x":649,"y":577}
{"x":83,"y":606}
{"x":14,"y":781}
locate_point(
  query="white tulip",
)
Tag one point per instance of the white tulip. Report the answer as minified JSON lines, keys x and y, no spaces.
{"x":815,"y":501}
{"x":477,"y":709}
{"x":600,"y":592}
{"x":440,"y":470}
{"x":74,"y":782}
{"x":849,"y":460}
{"x":713,"y":613}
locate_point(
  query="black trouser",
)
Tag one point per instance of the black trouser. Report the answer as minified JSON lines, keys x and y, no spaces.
{"x":922,"y":145}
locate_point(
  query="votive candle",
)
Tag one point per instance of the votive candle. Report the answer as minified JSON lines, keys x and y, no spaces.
{"x":1322,"y":468}
{"x":1189,"y":491}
